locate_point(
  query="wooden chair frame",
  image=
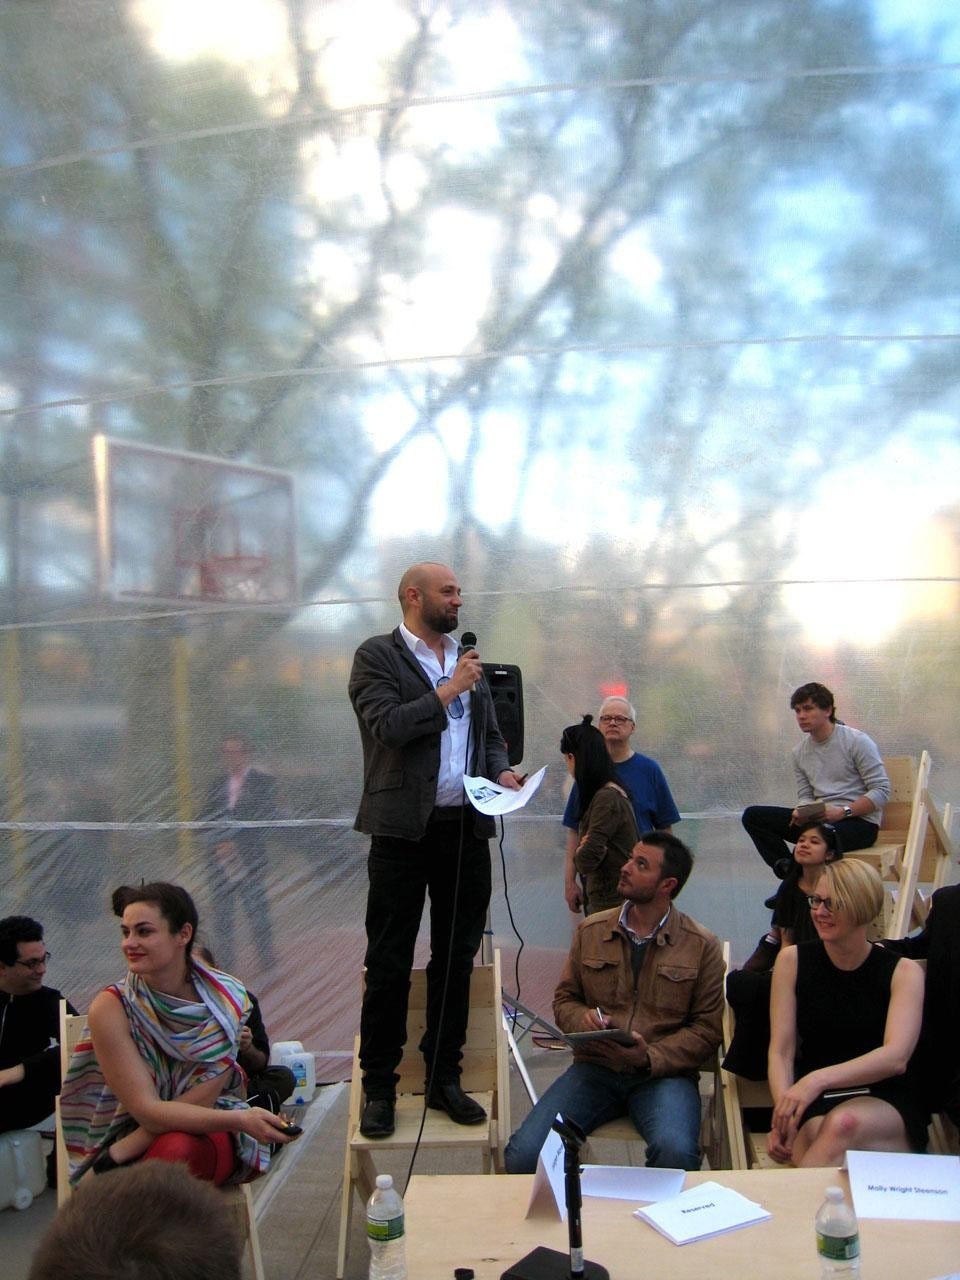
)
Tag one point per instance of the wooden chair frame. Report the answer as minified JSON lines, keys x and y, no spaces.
{"x":485,"y":1076}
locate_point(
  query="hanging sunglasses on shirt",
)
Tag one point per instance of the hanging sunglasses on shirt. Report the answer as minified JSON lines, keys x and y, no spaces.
{"x":455,"y":709}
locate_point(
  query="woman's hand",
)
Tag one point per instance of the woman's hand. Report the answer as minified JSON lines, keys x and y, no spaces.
{"x":792,"y":1105}
{"x":263,"y":1125}
{"x":777,"y":1149}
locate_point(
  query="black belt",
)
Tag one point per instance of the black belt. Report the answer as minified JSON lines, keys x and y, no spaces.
{"x":447,"y":813}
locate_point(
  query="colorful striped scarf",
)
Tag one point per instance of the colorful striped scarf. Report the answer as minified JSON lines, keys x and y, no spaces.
{"x":182,"y":1043}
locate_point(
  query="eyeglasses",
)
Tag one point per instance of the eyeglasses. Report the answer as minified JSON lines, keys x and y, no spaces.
{"x":455,"y":708}
{"x":35,"y":965}
{"x":816,"y":901}
{"x":615,"y":720}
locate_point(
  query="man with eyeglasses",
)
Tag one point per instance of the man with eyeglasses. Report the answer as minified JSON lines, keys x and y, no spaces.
{"x":29,"y":1026}
{"x":426,"y":719}
{"x":639,"y":775}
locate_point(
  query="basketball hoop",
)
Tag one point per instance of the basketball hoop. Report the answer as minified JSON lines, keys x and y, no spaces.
{"x":237,"y":577}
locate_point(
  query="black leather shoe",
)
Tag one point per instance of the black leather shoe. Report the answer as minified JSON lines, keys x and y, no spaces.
{"x":782,"y":868}
{"x":459,"y":1106}
{"x":770,"y":902}
{"x":376,"y":1120}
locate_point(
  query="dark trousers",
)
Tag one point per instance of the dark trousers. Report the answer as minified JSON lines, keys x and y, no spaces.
{"x":25,"y":1104}
{"x":251,"y":895}
{"x":769,"y":828}
{"x":270,"y":1088}
{"x":401,"y":874}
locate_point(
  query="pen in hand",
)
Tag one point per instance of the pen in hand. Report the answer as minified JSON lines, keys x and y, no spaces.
{"x":601,"y":1018}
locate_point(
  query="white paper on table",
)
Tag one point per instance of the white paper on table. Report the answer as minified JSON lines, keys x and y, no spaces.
{"x":549,"y":1194}
{"x":627,"y":1182}
{"x":492,"y":799}
{"x":707,"y":1210}
{"x":602,"y":1181}
{"x":894,"y":1184}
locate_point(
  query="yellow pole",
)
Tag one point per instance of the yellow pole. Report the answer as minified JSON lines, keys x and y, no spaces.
{"x":16,"y":791}
{"x":181,"y":748}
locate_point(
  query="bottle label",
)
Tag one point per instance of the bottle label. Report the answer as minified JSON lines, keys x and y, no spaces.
{"x":838,"y":1248}
{"x":392,"y":1229}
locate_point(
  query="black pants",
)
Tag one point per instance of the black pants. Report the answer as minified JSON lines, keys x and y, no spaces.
{"x":769,"y":828}
{"x":252,"y":895}
{"x":270,"y":1088}
{"x":25,"y":1104}
{"x":401,"y":874}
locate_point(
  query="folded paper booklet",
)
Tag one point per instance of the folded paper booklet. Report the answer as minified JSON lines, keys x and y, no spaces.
{"x":703,"y":1211}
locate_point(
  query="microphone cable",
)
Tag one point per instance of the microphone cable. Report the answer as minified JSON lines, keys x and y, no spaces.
{"x":446,"y":975}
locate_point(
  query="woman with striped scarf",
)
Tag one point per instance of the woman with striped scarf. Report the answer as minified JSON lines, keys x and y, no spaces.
{"x":155,"y":1074}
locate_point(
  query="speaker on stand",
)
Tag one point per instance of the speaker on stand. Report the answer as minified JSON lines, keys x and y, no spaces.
{"x":506,"y":687}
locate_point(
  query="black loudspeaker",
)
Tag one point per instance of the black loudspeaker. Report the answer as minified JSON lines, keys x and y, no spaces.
{"x":506,"y":685}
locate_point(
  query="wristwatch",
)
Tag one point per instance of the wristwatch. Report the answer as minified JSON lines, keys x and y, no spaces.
{"x":847,"y":811}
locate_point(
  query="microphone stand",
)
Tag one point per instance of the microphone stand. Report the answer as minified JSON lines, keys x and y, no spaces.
{"x":550,"y":1264}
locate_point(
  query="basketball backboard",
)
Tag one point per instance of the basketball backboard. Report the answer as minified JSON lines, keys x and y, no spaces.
{"x":181,"y":527}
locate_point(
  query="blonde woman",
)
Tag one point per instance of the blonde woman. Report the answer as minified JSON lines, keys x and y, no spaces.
{"x":845,"y":1018}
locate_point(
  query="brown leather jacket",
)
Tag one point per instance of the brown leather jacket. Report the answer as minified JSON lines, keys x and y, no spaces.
{"x":676,"y":1003}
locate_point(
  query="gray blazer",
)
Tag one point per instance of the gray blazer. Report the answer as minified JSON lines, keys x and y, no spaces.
{"x":401,"y":720}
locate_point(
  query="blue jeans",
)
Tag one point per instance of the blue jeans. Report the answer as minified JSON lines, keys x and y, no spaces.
{"x":665,"y":1112}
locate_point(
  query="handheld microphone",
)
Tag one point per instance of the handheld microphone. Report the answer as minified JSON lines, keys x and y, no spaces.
{"x":468,"y":641}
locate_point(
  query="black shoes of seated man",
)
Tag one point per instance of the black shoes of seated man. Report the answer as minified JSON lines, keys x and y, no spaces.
{"x":459,"y":1106}
{"x":377,"y":1118}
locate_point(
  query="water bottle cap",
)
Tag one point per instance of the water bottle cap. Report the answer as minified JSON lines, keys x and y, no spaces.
{"x":384,"y":1180}
{"x":834,"y":1194}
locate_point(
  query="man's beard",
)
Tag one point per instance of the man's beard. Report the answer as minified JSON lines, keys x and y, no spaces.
{"x":440,"y":621}
{"x":642,"y":896}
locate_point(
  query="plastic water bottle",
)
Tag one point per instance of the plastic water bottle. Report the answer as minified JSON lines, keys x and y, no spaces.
{"x":838,"y":1237}
{"x":388,"y":1259}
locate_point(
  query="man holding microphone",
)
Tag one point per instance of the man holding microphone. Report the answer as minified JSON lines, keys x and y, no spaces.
{"x":426,"y":719}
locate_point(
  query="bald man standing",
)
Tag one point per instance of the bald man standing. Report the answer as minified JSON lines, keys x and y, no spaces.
{"x":426,"y":718}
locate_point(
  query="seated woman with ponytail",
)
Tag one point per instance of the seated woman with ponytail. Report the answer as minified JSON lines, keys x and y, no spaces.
{"x":155,"y":1075}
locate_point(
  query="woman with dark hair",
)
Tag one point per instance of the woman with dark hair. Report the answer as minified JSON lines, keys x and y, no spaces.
{"x":607,"y":825}
{"x":748,"y":989}
{"x":817,"y":844}
{"x":791,"y":917}
{"x":845,"y":1018}
{"x":155,"y":1075}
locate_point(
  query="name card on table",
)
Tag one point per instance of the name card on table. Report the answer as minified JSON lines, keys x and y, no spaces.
{"x":893,"y":1184}
{"x":610,"y":1182}
{"x":707,"y":1210}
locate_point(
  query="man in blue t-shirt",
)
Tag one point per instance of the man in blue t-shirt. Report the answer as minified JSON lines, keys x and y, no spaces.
{"x":641,"y":777}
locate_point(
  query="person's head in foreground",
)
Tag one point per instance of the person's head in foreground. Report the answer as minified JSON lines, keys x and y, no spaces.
{"x":152,"y":1221}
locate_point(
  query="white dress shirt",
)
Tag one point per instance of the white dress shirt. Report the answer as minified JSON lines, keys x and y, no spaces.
{"x":454,"y":744}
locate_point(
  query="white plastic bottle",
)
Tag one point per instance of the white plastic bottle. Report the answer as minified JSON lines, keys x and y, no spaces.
{"x":388,"y":1259}
{"x":838,"y":1237}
